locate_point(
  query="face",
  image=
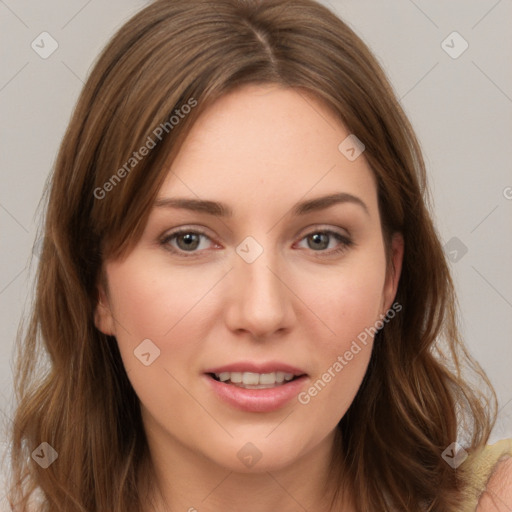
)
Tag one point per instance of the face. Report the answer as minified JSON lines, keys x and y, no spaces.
{"x":253,"y":278}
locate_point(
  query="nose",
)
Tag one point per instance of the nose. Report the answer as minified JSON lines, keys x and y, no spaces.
{"x":260,"y":300}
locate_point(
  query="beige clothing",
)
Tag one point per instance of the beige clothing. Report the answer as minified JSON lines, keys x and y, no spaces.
{"x":480,"y":466}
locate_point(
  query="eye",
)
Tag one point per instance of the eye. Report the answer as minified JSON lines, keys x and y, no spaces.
{"x":186,"y":240}
{"x":190,"y":242}
{"x":321,"y":240}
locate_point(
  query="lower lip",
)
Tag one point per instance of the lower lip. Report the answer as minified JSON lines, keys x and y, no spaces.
{"x":257,"y":400}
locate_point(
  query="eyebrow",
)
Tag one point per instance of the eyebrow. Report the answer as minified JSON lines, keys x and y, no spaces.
{"x":222,"y":210}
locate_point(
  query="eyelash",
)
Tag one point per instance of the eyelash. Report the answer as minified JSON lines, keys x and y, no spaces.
{"x":345,"y":242}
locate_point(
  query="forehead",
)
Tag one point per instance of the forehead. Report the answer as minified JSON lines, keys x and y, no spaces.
{"x":265,"y":144}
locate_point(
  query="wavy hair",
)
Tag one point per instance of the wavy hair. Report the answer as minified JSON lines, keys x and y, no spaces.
{"x":71,"y":387}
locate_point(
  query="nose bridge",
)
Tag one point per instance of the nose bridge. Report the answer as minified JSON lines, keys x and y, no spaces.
{"x":260,"y":302}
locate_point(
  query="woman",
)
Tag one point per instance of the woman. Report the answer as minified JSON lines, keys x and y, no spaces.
{"x":242,"y":294}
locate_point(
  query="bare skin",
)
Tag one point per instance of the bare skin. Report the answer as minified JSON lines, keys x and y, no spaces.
{"x":260,"y":151}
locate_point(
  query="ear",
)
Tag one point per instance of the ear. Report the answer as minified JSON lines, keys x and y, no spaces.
{"x":393,"y":273}
{"x":103,"y":319}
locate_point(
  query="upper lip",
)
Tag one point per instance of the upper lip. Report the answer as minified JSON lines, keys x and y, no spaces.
{"x":251,"y":366}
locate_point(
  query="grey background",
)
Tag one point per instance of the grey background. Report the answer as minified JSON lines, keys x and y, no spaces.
{"x":461,"y":109}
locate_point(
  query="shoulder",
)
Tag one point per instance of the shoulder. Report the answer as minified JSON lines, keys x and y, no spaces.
{"x":497,"y":493}
{"x":497,"y":496}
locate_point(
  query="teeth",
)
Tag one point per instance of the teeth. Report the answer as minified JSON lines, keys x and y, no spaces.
{"x":235,"y":377}
{"x":267,"y":378}
{"x":251,"y":378}
{"x":254,"y":379}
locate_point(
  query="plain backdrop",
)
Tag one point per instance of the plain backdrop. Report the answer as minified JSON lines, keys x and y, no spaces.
{"x":459,"y":101}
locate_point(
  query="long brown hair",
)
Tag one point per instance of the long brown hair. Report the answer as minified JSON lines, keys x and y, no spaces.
{"x":414,"y":399}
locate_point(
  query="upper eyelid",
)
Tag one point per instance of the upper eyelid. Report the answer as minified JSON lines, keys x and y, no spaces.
{"x":315,"y":228}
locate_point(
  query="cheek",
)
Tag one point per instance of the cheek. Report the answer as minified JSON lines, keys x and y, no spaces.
{"x":347,"y":307}
{"x":173,"y":307}
{"x":150,"y":299}
{"x":346,"y":300}
{"x":342,"y":351}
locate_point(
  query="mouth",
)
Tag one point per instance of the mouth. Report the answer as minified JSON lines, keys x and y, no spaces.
{"x":252,"y":380}
{"x":256,"y":387}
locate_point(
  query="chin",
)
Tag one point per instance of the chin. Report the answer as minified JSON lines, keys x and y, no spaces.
{"x":264,"y":453}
